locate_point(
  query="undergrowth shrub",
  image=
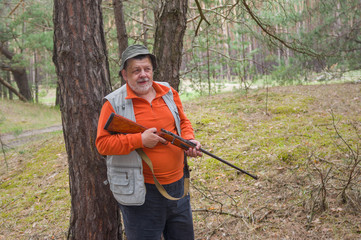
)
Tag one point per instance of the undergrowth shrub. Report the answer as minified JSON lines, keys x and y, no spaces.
{"x":336,"y":176}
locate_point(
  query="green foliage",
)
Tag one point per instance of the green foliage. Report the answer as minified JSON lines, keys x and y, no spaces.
{"x":232,"y":48}
{"x":286,"y":74}
{"x":27,"y":29}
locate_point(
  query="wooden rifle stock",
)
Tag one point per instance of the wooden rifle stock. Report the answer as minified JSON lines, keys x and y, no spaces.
{"x":119,"y":124}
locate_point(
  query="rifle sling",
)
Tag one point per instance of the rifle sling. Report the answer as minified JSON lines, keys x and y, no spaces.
{"x":157,"y":184}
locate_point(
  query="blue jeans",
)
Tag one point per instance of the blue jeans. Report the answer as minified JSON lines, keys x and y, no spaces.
{"x":159,"y":215}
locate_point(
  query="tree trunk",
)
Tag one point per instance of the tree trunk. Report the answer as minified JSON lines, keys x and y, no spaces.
{"x":36,"y":78}
{"x":208,"y":66}
{"x":21,"y":80}
{"x":4,"y":90}
{"x":171,"y":23}
{"x":144,"y":25}
{"x":8,"y":79}
{"x":19,"y":74}
{"x":122,"y":35}
{"x":83,"y":72}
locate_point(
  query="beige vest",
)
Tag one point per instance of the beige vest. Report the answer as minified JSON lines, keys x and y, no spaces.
{"x":125,"y":172}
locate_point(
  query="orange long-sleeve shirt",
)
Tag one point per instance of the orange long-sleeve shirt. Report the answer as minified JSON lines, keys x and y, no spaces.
{"x":167,"y":159}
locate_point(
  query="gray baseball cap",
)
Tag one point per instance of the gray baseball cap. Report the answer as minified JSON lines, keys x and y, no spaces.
{"x":133,"y":51}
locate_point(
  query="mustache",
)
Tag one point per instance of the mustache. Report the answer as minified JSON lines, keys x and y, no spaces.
{"x":143,"y":80}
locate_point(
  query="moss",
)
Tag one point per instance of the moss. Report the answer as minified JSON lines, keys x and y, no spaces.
{"x":39,"y":189}
{"x":286,"y":110}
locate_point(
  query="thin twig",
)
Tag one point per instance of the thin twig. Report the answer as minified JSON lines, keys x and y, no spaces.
{"x":217,"y":212}
{"x":340,"y":136}
{"x":207,"y":197}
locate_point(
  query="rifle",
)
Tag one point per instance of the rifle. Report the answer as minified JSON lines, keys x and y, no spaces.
{"x":119,"y":124}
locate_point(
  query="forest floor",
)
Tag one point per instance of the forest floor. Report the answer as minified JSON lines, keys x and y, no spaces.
{"x":302,"y":141}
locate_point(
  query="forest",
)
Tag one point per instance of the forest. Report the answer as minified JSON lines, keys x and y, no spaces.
{"x":281,"y":79}
{"x":226,"y":42}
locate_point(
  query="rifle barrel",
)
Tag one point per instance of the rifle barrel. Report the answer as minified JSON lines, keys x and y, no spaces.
{"x":206,"y":152}
{"x":228,"y":163}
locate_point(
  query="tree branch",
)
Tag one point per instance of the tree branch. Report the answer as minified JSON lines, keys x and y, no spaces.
{"x":12,"y":11}
{"x":214,"y":11}
{"x":272,"y":35}
{"x":11,"y":88}
{"x":202,"y":17}
{"x":9,"y":55}
{"x":139,"y":21}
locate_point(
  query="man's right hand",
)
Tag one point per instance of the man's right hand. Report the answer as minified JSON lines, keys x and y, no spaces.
{"x":150,"y":138}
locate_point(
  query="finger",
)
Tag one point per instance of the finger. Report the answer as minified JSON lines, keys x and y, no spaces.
{"x":149,"y":138}
{"x":196,"y":153}
{"x":152,"y":130}
{"x":162,"y":140}
{"x":192,"y":152}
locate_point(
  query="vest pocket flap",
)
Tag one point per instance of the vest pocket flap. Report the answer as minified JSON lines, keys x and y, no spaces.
{"x":121,"y":178}
{"x":122,"y":181}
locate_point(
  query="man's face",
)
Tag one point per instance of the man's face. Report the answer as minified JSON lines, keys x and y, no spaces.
{"x":139,"y":75}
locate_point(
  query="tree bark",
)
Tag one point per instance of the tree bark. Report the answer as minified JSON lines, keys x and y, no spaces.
{"x":19,"y":74}
{"x":83,"y":72}
{"x":171,"y":23}
{"x":57,"y":95}
{"x":122,"y":35}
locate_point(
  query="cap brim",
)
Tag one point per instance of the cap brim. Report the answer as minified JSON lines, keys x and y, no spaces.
{"x":152,"y":57}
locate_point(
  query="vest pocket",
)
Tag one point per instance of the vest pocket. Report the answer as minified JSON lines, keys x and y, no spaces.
{"x":122,"y":181}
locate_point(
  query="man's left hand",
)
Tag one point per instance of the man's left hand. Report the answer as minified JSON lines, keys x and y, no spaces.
{"x":194,"y":152}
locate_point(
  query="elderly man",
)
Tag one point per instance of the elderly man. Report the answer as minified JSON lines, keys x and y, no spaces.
{"x":147,"y":212}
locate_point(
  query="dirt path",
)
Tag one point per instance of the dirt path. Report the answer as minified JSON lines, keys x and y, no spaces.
{"x":11,"y":140}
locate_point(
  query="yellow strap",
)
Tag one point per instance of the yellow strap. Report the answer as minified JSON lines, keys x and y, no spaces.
{"x":157,"y":184}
